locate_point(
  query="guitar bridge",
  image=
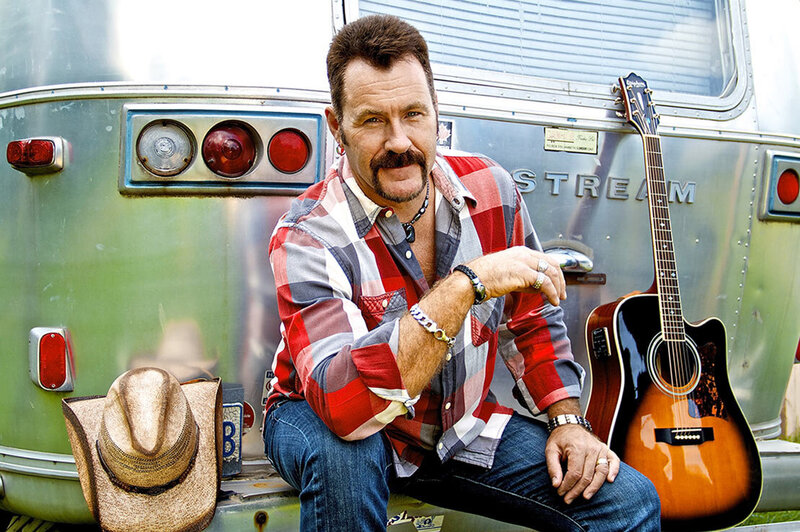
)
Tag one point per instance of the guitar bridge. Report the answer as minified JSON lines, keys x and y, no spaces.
{"x":685,"y":436}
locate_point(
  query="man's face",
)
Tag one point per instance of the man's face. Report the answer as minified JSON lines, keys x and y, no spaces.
{"x":388,"y":129}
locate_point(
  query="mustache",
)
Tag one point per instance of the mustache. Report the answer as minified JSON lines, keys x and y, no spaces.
{"x":397,"y":160}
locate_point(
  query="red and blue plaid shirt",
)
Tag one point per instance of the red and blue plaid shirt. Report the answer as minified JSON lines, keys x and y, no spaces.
{"x":345,"y":275}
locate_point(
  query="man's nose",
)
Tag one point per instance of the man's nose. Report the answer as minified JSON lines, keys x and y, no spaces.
{"x":397,"y":139}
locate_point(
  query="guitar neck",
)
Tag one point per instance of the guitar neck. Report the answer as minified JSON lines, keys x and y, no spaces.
{"x":666,"y":269}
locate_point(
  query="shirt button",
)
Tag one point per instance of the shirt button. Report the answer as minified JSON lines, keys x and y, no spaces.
{"x":440,"y":445}
{"x":447,"y":406}
{"x":388,"y":213}
{"x":385,"y":303}
{"x":408,"y":254}
{"x":448,"y":357}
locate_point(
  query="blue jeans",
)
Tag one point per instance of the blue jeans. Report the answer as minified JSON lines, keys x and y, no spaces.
{"x":346,"y":485}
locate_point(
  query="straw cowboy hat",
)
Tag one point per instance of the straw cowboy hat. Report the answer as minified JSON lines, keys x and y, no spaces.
{"x":148,"y":453}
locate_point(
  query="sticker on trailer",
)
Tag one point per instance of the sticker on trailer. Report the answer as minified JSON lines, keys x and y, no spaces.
{"x":570,"y":140}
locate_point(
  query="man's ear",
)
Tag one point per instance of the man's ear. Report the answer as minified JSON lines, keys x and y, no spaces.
{"x":333,"y":124}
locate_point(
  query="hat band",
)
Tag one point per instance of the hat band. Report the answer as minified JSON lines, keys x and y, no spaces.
{"x":187,"y":444}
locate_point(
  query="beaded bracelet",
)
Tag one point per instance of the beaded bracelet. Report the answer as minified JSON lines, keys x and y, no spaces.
{"x":431,"y":326}
{"x":568,"y":419}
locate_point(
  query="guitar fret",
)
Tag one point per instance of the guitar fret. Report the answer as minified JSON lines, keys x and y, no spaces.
{"x":663,"y":247}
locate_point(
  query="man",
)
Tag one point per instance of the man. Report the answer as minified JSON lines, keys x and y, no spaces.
{"x":398,"y":280}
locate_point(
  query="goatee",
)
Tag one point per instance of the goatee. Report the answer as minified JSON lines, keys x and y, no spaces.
{"x":398,"y":160}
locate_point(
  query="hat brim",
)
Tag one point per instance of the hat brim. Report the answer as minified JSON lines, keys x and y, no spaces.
{"x":189,"y":505}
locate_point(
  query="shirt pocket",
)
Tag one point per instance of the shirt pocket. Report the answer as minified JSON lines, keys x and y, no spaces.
{"x":383,"y":308}
{"x":485,"y":319}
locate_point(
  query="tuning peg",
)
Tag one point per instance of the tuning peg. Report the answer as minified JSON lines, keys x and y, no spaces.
{"x":636,"y":112}
{"x":651,"y":104}
{"x":657,"y":116}
{"x":620,"y":115}
{"x":648,"y":91}
{"x":614,"y":88}
{"x":618,"y":100}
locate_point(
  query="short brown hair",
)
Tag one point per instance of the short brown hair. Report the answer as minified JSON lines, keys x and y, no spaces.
{"x":380,"y":40}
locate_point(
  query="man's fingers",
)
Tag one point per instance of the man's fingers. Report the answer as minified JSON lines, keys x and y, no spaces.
{"x":556,"y":275}
{"x":553,"y":460}
{"x":613,"y":466}
{"x":601,"y":471}
{"x":584,"y":477}
{"x":549,"y":279}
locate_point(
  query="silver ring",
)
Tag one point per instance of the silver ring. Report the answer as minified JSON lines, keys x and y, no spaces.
{"x":543,"y":265}
{"x":602,"y":461}
{"x":539,"y":280}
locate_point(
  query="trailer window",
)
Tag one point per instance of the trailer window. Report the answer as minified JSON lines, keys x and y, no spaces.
{"x":682,"y":46}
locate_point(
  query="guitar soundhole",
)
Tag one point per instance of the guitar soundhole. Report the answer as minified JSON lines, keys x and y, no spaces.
{"x":674,"y":366}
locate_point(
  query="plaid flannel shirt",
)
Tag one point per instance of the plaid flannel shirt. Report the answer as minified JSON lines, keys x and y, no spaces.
{"x":345,"y":275}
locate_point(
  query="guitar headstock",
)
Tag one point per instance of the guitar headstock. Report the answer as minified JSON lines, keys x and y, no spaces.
{"x":639,"y":108}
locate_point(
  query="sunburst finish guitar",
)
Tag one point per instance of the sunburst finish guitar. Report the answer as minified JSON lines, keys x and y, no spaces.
{"x":660,"y":392}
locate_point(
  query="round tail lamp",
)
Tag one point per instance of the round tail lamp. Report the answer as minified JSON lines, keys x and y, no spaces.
{"x":288,"y":151}
{"x":165,"y":148}
{"x":788,"y":186}
{"x":229,"y":149}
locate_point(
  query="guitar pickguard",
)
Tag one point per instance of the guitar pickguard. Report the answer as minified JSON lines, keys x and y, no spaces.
{"x":707,"y":396}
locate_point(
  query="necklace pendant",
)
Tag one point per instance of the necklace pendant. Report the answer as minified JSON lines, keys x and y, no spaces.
{"x":410,"y":233}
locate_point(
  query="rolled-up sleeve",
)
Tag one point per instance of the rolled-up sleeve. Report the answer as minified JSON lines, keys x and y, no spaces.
{"x":347,"y":372}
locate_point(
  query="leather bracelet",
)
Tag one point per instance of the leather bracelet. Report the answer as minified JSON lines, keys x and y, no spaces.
{"x":431,"y":326}
{"x":568,"y":419}
{"x":477,"y":285}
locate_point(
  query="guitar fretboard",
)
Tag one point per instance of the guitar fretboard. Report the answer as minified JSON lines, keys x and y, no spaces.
{"x":666,"y":269}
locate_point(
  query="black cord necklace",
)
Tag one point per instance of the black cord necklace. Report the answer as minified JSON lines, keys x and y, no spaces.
{"x":409,"y":226}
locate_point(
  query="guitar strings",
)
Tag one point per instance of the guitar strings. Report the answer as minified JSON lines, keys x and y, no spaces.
{"x":673,"y":333}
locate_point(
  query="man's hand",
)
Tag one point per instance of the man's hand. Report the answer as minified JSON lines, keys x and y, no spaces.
{"x":518,"y":269}
{"x":589,"y":462}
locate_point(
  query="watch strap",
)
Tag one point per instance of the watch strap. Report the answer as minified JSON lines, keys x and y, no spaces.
{"x":568,"y":419}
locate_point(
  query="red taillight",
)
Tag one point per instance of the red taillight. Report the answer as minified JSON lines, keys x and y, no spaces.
{"x":51,"y":364}
{"x":288,"y":151}
{"x":31,"y":153}
{"x":788,"y":187}
{"x":229,"y":150}
{"x":52,"y":360}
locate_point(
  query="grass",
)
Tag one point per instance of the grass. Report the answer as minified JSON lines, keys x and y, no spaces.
{"x":764,"y":518}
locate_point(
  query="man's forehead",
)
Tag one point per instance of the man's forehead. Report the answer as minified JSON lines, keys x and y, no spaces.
{"x":403,"y":75}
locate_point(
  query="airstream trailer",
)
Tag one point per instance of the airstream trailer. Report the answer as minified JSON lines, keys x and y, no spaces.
{"x":127,"y":241}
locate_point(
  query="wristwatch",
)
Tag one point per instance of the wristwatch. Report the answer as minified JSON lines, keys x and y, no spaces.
{"x":477,"y":285}
{"x":568,"y":419}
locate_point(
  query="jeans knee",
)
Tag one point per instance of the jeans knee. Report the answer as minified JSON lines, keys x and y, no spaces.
{"x":651,"y":502}
{"x":302,"y":448}
{"x":648,"y":503}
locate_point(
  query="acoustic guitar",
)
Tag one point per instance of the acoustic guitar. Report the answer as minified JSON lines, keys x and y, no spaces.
{"x":660,"y":395}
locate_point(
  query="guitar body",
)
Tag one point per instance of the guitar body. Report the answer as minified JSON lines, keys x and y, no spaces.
{"x":677,"y":423}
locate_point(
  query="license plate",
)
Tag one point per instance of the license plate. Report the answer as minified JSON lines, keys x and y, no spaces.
{"x":231,"y":438}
